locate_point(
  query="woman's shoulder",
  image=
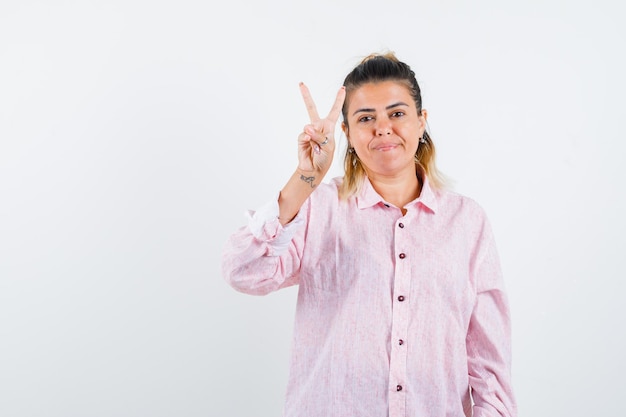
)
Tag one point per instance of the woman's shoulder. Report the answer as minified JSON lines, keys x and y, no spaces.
{"x":453,"y":201}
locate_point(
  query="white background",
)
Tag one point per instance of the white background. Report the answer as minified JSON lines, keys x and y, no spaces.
{"x":134,"y":135}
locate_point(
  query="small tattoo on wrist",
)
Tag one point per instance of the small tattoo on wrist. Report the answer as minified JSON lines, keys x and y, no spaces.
{"x":308,"y":180}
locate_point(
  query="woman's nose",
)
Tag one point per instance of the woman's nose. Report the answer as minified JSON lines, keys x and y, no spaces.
{"x":383,"y":127}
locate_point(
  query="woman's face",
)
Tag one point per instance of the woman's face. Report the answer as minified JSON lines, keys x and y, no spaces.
{"x":384,"y":128}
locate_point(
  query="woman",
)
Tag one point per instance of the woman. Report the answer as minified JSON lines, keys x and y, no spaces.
{"x":401,"y":305}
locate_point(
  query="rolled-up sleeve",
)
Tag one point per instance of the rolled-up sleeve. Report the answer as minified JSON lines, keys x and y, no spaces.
{"x":264,"y":256}
{"x":489,"y":334}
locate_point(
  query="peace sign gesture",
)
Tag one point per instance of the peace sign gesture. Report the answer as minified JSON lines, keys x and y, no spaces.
{"x":316,"y":143}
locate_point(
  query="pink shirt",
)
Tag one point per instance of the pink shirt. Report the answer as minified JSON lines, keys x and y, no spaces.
{"x":396,"y":315}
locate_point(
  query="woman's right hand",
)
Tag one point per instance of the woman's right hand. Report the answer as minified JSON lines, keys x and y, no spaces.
{"x":316,"y":143}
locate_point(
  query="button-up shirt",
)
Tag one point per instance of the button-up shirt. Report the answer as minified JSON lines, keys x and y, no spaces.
{"x":397,"y":315}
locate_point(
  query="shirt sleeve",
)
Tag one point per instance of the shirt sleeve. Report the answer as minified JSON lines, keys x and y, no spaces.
{"x":489,"y":334}
{"x":264,"y":256}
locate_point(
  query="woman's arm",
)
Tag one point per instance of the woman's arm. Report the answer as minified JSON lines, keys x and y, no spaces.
{"x":264,"y":256}
{"x":489,"y":334}
{"x":316,"y":148}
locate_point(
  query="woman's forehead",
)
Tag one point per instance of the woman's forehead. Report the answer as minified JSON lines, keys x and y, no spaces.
{"x":382,"y":93}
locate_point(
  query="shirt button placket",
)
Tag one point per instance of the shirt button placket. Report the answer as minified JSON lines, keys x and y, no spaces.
{"x":400,"y":319}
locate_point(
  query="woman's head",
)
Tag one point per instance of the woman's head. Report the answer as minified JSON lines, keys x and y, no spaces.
{"x":378,"y":70}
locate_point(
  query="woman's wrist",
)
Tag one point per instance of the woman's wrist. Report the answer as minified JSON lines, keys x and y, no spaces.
{"x":299,"y":187}
{"x":311,"y":177}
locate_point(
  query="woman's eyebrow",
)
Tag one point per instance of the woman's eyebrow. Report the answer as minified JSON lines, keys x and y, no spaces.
{"x":391,"y":106}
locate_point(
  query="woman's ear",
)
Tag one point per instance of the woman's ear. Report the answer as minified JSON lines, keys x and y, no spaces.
{"x":344,"y":127}
{"x":425,"y":118}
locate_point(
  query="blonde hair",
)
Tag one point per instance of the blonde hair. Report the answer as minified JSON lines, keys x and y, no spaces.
{"x":377,"y":68}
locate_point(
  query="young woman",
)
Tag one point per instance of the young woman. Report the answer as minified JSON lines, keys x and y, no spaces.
{"x":401,"y":307}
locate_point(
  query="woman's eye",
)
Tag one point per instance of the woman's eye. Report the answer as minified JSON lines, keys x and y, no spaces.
{"x":365,"y":119}
{"x":397,"y":114}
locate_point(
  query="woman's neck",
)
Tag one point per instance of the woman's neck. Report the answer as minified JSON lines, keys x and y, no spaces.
{"x":397,"y":190}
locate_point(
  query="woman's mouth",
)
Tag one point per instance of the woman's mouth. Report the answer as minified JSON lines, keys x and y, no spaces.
{"x":386,"y":147}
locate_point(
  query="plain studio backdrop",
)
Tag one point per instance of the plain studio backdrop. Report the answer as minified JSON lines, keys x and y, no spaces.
{"x":135,"y":134}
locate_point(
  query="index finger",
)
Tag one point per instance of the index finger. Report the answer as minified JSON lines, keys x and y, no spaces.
{"x":309,"y":103}
{"x":335,"y":111}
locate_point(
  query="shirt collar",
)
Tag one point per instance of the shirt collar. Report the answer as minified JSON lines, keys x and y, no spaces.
{"x":368,"y":197}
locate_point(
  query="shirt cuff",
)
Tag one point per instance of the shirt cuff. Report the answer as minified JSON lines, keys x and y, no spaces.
{"x":265,"y":226}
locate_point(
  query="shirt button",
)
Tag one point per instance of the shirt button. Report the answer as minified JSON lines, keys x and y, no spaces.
{"x":399,"y":388}
{"x":401,"y":225}
{"x":402,"y":256}
{"x":400,"y":342}
{"x":401,"y":298}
